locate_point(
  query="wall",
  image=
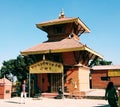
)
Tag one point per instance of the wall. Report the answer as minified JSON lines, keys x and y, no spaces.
{"x":5,"y":88}
{"x":96,"y":79}
{"x":68,"y":58}
{"x":2,"y":91}
{"x":7,"y":91}
{"x":72,"y":82}
{"x":84,"y":78}
{"x":43,"y":83}
{"x":116,"y":81}
{"x":80,"y":79}
{"x":101,"y":84}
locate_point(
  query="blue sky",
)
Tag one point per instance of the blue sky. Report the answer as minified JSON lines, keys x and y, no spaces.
{"x":18,"y":18}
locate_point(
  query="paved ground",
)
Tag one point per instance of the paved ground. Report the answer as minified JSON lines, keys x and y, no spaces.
{"x":50,"y":102}
{"x":95,"y":92}
{"x":45,"y":102}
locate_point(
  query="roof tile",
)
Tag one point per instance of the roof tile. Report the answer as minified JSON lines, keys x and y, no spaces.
{"x":62,"y":44}
{"x":106,"y":67}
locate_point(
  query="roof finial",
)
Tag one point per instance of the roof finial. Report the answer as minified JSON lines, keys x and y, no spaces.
{"x":61,"y":14}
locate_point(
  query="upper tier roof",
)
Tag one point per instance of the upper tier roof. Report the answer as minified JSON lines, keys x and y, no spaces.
{"x":62,"y":20}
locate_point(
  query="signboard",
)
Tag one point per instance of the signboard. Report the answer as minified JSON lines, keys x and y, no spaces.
{"x":114,"y":73}
{"x":46,"y":66}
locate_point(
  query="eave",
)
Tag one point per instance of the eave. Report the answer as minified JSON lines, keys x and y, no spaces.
{"x":83,"y":48}
{"x":62,"y":21}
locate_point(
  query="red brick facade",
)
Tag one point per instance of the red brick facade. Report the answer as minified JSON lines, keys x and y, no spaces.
{"x":72,"y":79}
{"x":100,"y":76}
{"x":5,"y":88}
{"x":96,"y":79}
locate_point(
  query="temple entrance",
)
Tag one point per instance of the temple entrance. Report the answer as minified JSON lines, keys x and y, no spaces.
{"x":49,"y":75}
{"x":55,"y":81}
{"x":49,"y":82}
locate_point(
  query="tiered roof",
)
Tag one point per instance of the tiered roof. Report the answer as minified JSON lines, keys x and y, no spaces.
{"x":65,"y":45}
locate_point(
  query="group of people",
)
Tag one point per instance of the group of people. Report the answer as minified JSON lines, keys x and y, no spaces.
{"x":112,"y":96}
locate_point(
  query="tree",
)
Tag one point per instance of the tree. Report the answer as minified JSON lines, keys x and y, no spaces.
{"x":7,"y":68}
{"x":18,"y":67}
{"x":100,"y":62}
{"x":22,"y":66}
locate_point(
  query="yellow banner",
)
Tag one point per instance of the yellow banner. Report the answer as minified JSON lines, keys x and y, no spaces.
{"x":114,"y":73}
{"x":46,"y":66}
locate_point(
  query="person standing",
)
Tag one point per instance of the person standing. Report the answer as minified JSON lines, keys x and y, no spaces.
{"x":23,"y":92}
{"x":111,"y":95}
{"x":118,"y":96}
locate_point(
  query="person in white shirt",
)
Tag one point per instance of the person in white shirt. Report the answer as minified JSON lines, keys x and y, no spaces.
{"x":23,"y":92}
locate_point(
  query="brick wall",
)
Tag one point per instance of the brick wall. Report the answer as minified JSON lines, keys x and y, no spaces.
{"x":96,"y":79}
{"x":68,"y":58}
{"x":72,"y":80}
{"x":116,"y":81}
{"x":98,"y":83}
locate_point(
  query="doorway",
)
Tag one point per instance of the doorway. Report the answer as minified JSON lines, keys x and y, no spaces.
{"x":55,"y":81}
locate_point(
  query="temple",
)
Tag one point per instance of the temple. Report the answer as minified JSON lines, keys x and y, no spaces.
{"x":62,"y":60}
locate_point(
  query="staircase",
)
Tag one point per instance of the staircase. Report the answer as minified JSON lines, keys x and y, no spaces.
{"x":49,"y":95}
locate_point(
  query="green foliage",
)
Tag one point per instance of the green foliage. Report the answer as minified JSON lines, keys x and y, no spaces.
{"x":100,"y":62}
{"x":7,"y":68}
{"x":18,"y":67}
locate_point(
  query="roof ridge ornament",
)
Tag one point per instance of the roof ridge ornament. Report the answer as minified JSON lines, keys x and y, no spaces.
{"x":61,"y":15}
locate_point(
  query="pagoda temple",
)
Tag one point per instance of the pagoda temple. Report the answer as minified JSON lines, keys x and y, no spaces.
{"x":62,"y":59}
